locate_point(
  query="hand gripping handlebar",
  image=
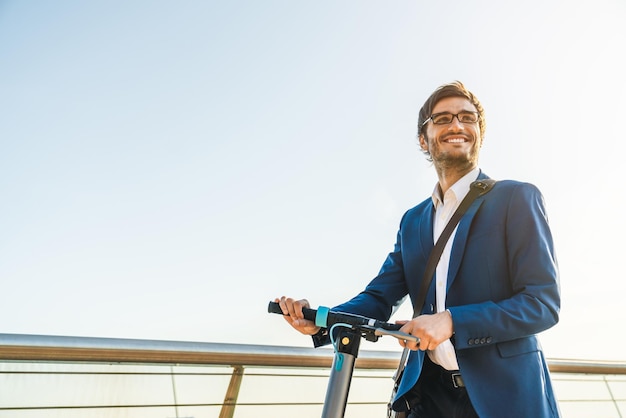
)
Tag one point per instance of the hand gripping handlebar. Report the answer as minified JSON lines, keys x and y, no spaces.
{"x":325,"y":318}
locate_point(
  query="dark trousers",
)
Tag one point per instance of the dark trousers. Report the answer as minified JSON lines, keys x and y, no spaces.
{"x":438,"y":395}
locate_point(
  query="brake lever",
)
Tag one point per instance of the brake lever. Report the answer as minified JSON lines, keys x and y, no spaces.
{"x":397,"y":334}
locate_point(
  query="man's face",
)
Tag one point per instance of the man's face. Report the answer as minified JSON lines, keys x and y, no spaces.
{"x":454,"y":144}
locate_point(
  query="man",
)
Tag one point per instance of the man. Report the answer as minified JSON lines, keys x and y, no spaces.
{"x":496,"y":285}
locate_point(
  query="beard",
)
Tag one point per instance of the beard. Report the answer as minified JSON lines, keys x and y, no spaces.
{"x":455,"y":158}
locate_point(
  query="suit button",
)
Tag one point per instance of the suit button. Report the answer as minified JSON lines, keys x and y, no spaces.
{"x":489,"y":339}
{"x":476,"y":340}
{"x":470,"y":341}
{"x":483,"y":340}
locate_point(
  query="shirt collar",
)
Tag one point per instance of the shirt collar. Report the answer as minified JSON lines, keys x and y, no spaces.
{"x":460,"y":188}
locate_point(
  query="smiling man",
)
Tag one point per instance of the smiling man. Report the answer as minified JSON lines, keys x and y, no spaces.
{"x":496,"y":284}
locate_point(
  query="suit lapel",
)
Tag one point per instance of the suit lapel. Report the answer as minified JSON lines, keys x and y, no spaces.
{"x":426,"y":232}
{"x":460,"y":240}
{"x":462,"y":232}
{"x":427,"y":244}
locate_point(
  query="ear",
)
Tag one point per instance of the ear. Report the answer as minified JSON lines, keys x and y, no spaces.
{"x":423,"y":142}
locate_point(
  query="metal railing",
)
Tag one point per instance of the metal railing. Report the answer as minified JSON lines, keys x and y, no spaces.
{"x":236,"y":363}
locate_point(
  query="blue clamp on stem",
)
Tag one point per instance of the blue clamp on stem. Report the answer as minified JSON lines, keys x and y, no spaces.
{"x":321,"y":318}
{"x":339,"y":362}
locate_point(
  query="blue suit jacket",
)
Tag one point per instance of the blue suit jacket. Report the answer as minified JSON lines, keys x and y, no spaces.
{"x":503,"y":288}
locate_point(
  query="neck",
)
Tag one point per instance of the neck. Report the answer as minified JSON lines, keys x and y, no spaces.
{"x":450,"y":175}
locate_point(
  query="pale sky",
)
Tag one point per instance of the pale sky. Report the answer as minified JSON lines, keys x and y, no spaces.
{"x":168,"y":168}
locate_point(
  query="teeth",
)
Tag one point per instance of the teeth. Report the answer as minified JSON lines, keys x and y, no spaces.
{"x":456,"y":140}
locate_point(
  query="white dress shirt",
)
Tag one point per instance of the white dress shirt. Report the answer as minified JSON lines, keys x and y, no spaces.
{"x":444,"y":354}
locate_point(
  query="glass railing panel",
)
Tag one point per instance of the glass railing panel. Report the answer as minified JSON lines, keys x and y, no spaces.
{"x":143,"y":412}
{"x":46,"y":385}
{"x":299,"y":411}
{"x":202,"y":386}
{"x":278,"y":386}
{"x":54,"y":377}
{"x":589,"y":409}
{"x":617,"y":384}
{"x":50,"y":390}
{"x":587,"y":395}
{"x":580,"y":387}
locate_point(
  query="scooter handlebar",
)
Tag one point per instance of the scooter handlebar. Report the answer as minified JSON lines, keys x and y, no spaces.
{"x":326,"y":318}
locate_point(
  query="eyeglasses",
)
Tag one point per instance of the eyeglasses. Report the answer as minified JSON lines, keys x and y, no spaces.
{"x":445,"y":118}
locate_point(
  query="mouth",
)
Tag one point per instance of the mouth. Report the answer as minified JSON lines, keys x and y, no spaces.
{"x":455,"y":140}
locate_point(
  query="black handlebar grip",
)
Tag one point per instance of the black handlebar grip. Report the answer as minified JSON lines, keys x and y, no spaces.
{"x":274,"y":307}
{"x":309,"y":314}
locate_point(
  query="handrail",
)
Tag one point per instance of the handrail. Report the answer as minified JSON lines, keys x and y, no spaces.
{"x":26,"y":347}
{"x":94,"y":349}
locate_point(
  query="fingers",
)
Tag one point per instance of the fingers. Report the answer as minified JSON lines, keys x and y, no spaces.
{"x":432,"y":330}
{"x":412,"y":345}
{"x":426,"y":346}
{"x":417,"y":345}
{"x":292,"y":312}
{"x":292,"y":308}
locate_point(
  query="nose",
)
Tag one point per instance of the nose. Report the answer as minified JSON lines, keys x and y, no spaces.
{"x":456,"y":124}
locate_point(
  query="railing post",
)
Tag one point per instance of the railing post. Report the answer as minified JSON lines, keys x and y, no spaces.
{"x":230,"y":400}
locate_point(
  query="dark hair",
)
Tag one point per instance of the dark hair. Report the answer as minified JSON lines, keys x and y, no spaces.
{"x":454,"y":89}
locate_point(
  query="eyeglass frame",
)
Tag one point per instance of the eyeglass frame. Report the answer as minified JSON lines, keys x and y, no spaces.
{"x":454,"y":115}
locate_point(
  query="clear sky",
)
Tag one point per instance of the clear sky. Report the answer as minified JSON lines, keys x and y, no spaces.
{"x":168,"y":168}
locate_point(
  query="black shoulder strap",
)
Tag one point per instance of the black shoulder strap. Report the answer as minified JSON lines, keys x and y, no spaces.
{"x":477,"y":188}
